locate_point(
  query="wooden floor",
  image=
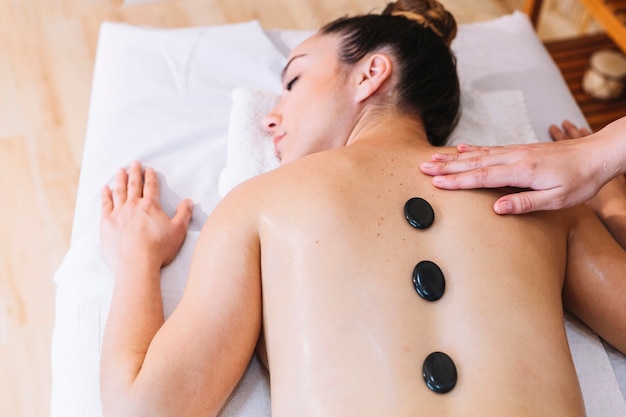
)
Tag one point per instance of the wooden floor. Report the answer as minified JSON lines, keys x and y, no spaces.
{"x":47,"y":50}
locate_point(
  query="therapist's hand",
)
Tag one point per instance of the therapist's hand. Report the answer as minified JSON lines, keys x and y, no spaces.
{"x":556,"y":175}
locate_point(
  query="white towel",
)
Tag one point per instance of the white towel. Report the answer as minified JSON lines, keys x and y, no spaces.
{"x":487,"y":118}
{"x":250,"y":150}
{"x":493,"y":118}
{"x":84,"y":290}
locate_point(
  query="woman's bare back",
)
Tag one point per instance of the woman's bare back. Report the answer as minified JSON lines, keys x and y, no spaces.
{"x":345,"y":329}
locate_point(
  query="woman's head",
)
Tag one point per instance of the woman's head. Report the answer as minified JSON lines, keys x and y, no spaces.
{"x":417,"y":34}
{"x":316,"y":111}
{"x":391,"y":61}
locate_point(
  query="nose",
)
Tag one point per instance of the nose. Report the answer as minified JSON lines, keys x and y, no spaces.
{"x":271,"y":121}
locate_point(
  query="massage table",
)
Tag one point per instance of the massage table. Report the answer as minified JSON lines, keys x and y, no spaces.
{"x":187,"y":102}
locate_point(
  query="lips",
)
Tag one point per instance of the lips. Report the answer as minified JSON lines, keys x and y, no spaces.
{"x":277,"y":138}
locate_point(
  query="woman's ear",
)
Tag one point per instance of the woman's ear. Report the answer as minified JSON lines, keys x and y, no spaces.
{"x":372,"y":72}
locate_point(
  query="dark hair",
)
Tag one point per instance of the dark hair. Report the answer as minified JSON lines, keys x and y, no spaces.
{"x":428,"y":84}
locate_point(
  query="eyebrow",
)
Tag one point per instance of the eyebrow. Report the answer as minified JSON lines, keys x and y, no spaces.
{"x":282,"y":75}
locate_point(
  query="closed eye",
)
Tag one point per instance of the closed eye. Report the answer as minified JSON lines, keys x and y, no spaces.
{"x":290,"y":84}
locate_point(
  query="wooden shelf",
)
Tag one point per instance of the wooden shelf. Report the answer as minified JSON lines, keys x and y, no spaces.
{"x":611,"y":14}
{"x":572,"y":58}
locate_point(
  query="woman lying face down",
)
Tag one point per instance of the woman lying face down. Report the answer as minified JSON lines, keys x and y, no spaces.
{"x":371,"y":292}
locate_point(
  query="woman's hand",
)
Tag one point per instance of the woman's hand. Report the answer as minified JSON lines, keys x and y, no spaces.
{"x":133,"y":224}
{"x":557,"y":175}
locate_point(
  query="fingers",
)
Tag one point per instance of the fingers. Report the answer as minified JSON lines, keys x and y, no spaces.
{"x":120,"y":187}
{"x":151,"y":185}
{"x":528,"y":201}
{"x":135,"y":181}
{"x":466,"y":152}
{"x":568,"y":130}
{"x":556,"y":133}
{"x":495,"y":177}
{"x":518,"y":203}
{"x":488,"y":177}
{"x":472,"y":162}
{"x":572,"y":131}
{"x":106,"y":201}
{"x":183,"y":213}
{"x":478,"y":156}
{"x":463,"y":147}
{"x":135,"y":184}
{"x":449,"y":164}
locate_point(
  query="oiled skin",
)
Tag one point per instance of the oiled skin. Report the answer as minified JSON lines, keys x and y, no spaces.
{"x":347,"y":334}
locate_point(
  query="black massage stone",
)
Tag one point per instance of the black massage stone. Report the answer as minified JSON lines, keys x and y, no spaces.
{"x":429,"y":281}
{"x":419,"y":213}
{"x":439,"y":372}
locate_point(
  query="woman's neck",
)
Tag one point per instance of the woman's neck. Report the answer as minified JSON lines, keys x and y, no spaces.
{"x":388,"y":128}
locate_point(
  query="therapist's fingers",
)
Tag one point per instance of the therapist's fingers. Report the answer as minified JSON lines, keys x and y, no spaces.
{"x":464,"y":151}
{"x":500,"y":175}
{"x":473,"y":162}
{"x":463,"y":148}
{"x":529,"y":201}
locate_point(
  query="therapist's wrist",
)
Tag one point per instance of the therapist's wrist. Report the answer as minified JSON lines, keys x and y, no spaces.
{"x":610,"y":145}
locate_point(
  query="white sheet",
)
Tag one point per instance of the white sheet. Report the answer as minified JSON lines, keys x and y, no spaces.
{"x":163,"y":97}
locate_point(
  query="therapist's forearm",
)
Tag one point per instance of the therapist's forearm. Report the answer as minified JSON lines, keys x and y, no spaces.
{"x":135,"y":316}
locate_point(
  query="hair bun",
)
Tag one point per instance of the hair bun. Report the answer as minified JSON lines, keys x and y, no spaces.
{"x":428,"y":13}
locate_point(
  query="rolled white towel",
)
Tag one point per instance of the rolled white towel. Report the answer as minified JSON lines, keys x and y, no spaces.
{"x":250,"y":150}
{"x":487,"y":118}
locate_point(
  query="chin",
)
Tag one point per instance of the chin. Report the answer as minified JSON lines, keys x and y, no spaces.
{"x":285,"y":161}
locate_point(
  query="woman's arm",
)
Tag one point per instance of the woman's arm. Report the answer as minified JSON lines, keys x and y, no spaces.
{"x":138,"y":238}
{"x":595,"y":281}
{"x":558,"y":175}
{"x":189,"y":364}
{"x":610,"y":206}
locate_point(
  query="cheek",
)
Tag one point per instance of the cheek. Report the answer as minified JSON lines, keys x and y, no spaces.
{"x":313,"y":120}
{"x":301,"y":141}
